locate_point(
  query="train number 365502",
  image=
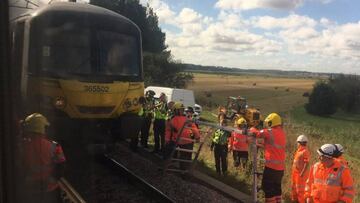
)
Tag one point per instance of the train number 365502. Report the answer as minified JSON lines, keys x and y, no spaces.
{"x":96,"y":88}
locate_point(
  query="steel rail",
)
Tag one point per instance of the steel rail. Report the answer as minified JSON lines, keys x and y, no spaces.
{"x":68,"y":193}
{"x":136,"y":180}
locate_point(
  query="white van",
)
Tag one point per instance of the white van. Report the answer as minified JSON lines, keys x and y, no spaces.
{"x":173,"y":94}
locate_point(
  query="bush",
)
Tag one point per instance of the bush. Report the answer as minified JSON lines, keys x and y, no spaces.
{"x":347,"y":89}
{"x":322,"y":100}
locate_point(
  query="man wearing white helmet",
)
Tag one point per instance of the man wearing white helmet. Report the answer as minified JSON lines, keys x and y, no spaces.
{"x":339,"y":154}
{"x":300,"y":169}
{"x":329,"y":180}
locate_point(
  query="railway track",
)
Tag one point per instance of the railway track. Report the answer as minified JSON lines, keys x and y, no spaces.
{"x":135,"y":180}
{"x":68,"y":193}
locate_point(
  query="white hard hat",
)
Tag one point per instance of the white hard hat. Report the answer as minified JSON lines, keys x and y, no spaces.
{"x":302,"y":138}
{"x":340,"y":148}
{"x":327,"y":150}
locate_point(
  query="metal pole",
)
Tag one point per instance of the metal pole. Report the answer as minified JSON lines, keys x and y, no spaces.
{"x":254,"y":170}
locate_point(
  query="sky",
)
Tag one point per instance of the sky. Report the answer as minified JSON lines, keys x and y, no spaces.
{"x":303,"y":35}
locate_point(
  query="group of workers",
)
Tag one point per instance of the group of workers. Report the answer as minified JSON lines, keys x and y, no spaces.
{"x":163,"y":115}
{"x":328,"y":180}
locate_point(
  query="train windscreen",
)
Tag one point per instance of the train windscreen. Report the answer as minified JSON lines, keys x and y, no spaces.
{"x":67,"y":48}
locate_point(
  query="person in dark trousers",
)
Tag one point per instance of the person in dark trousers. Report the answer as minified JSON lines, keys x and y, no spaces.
{"x":160,"y":114}
{"x":147,"y":116}
{"x":238,"y":144}
{"x":274,"y":149}
{"x":219,"y":146}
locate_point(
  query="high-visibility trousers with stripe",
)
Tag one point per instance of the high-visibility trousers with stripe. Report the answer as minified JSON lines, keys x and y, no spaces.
{"x":298,"y":186}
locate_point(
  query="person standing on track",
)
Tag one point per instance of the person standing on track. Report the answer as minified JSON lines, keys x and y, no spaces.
{"x":160,"y":115}
{"x":274,"y":148}
{"x":329,"y":180}
{"x":43,"y":161}
{"x":300,"y":170}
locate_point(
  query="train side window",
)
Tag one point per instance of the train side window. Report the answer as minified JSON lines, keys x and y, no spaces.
{"x":18,"y":44}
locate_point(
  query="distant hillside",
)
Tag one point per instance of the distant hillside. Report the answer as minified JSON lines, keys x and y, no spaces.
{"x":238,"y":71}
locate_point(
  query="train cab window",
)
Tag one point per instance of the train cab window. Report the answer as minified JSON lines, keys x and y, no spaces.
{"x":117,"y":55}
{"x":64,"y":49}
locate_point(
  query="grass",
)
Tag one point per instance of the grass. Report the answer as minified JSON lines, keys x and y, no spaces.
{"x":270,"y":95}
{"x":340,"y":128}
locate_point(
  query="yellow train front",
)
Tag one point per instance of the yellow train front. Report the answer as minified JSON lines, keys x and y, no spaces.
{"x":78,"y":62}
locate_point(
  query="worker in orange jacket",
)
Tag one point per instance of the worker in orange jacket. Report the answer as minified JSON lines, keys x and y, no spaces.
{"x":339,"y":154}
{"x":329,"y":180}
{"x":43,"y":161}
{"x":238,"y":144}
{"x":300,"y":170}
{"x":189,"y":133}
{"x":274,"y":147}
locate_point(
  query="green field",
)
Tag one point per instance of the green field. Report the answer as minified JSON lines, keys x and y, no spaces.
{"x":284,"y":96}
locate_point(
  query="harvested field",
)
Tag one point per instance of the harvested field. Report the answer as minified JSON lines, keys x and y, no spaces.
{"x":269,"y":94}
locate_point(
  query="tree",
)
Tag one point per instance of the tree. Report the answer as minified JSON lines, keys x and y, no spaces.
{"x":170,"y":72}
{"x":322,"y":100}
{"x":159,"y":68}
{"x":153,"y":39}
{"x":347,"y":89}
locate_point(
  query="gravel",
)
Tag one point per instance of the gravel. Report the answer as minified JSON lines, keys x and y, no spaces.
{"x":178,"y":188}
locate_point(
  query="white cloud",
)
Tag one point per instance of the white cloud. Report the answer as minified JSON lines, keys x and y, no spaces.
{"x":301,"y":33}
{"x":342,"y":41}
{"x":291,"y":21}
{"x":294,"y":42}
{"x":254,"y":4}
{"x":162,"y":10}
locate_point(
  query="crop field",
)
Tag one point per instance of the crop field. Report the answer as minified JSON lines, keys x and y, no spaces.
{"x":263,"y":92}
{"x":284,"y":96}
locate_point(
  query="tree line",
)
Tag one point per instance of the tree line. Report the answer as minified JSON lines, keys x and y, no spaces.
{"x":159,"y":66}
{"x":339,"y":92}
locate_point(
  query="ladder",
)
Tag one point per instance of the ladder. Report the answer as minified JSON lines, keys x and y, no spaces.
{"x":175,"y":162}
{"x":171,"y":161}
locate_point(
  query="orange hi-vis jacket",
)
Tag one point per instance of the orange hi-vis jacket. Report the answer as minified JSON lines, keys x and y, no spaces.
{"x":302,"y":156}
{"x":274,"y":147}
{"x":174,"y":127}
{"x":328,"y":185}
{"x":342,"y":160}
{"x":259,"y":141}
{"x":40,"y":157}
{"x":238,"y":142}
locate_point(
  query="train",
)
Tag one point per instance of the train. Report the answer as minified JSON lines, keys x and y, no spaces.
{"x":75,"y":63}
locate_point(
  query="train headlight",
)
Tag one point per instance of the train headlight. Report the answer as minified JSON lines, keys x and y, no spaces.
{"x":135,"y":101}
{"x":60,"y":102}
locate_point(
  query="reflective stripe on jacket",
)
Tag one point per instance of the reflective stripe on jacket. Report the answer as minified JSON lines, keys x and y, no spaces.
{"x":238,"y":142}
{"x":160,"y":111}
{"x":174,"y":127}
{"x":220,"y":137}
{"x":331,"y":184}
{"x":274,"y":145}
{"x":301,"y":157}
